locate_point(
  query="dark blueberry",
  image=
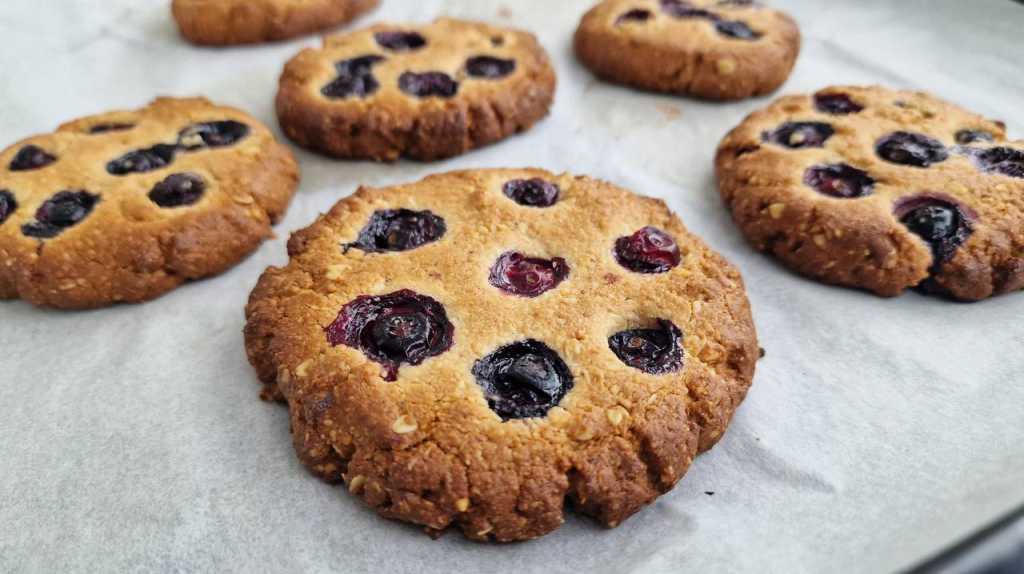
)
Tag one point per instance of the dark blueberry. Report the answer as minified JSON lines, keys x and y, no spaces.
{"x":143,"y":160}
{"x":1002,"y":160}
{"x":63,"y":210}
{"x":939,"y":221}
{"x":523,"y":379}
{"x":110,"y":127}
{"x":7,"y":204}
{"x":489,"y":67}
{"x":653,"y":351}
{"x":516,"y":274}
{"x":737,"y":3}
{"x":533,"y":192}
{"x":906,"y":148}
{"x":649,"y":250}
{"x":836,"y":104}
{"x":684,"y":9}
{"x":177,"y":190}
{"x":736,"y":29}
{"x":796,"y":135}
{"x":403,"y":327}
{"x":355,"y":78}
{"x":839,"y":180}
{"x":400,"y":41}
{"x":212,"y":134}
{"x":964,"y":137}
{"x":31,"y":157}
{"x":427,"y":84}
{"x":399,"y":230}
{"x":635,"y":15}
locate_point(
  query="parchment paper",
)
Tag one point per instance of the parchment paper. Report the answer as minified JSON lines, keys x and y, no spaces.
{"x":877,"y":431}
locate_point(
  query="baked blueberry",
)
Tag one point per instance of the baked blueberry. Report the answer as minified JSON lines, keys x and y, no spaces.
{"x":1001,"y":160}
{"x":428,"y":84}
{"x":399,"y":328}
{"x":212,"y":134}
{"x":939,"y":221}
{"x":839,"y":180}
{"x":635,"y":15}
{"x":355,"y":78}
{"x":684,"y":9}
{"x":31,"y":157}
{"x":489,"y":67}
{"x":736,"y":29}
{"x":177,"y":190}
{"x":65,"y":209}
{"x":913,"y":149}
{"x":522,"y":380}
{"x":654,"y":351}
{"x":534,"y":192}
{"x":8,"y":204}
{"x":965,"y":137}
{"x":649,"y":250}
{"x":110,"y":127}
{"x":143,"y":160}
{"x":400,"y":40}
{"x":836,"y":104}
{"x":399,"y":230}
{"x":517,"y":274}
{"x":796,"y":135}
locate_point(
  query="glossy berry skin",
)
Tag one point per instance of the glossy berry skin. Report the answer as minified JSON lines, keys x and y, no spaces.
{"x":428,"y":84}
{"x":517,"y":274}
{"x":839,"y":180}
{"x":939,"y":221}
{"x":798,"y":135}
{"x":964,"y":137}
{"x":399,"y":328}
{"x":212,"y":134}
{"x":654,"y":351}
{"x":355,"y":78}
{"x":399,"y":40}
{"x":178,"y":190}
{"x":489,"y":67}
{"x":143,"y":160}
{"x":8,"y":205}
{"x":736,"y":29}
{"x":522,"y":380}
{"x":649,"y":250}
{"x":399,"y":230}
{"x":31,"y":157}
{"x":684,"y":9}
{"x":1000,"y":160}
{"x":836,"y":104}
{"x":533,"y":192}
{"x":911,"y":149}
{"x":65,"y":209}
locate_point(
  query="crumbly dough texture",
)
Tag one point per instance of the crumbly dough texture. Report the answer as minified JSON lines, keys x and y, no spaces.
{"x":128,"y":249}
{"x":861,"y":242}
{"x":687,"y":55}
{"x":427,"y":448}
{"x":226,"y":22}
{"x":389,"y":123}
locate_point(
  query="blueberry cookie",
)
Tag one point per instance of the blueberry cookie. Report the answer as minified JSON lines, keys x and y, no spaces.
{"x":225,"y":22}
{"x":714,"y":49}
{"x":475,"y":349}
{"x":880,"y":189}
{"x":127,"y":205}
{"x":423,"y":92}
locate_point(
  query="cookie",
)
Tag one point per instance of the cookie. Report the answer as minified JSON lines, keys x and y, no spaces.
{"x":718,"y":50}
{"x":125,"y":206}
{"x":226,"y":22}
{"x":880,"y":189}
{"x":423,"y":92}
{"x":474,"y":349}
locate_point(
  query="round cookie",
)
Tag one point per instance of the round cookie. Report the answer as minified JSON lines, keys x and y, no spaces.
{"x":474,"y":349}
{"x":124,"y":206}
{"x":423,"y":92}
{"x":718,"y":50}
{"x":226,"y":22}
{"x":880,"y":189}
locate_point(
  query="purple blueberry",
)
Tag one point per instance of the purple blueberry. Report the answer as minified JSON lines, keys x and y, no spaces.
{"x":428,"y":84}
{"x":797,"y":135}
{"x":399,"y":230}
{"x":522,"y":380}
{"x":736,"y":29}
{"x":399,"y":328}
{"x":400,"y":40}
{"x":1000,"y":160}
{"x":31,"y":157}
{"x":517,"y":274}
{"x":912,"y":149}
{"x":649,"y":250}
{"x":939,"y":221}
{"x":212,"y":134}
{"x":110,"y":127}
{"x":355,"y":78}
{"x":65,"y":209}
{"x":534,"y":192}
{"x":653,"y":351}
{"x":839,"y":180}
{"x":836,"y":104}
{"x":635,"y":15}
{"x":8,"y":205}
{"x":177,"y":190}
{"x":489,"y":67}
{"x":143,"y":160}
{"x":964,"y":137}
{"x":684,"y":9}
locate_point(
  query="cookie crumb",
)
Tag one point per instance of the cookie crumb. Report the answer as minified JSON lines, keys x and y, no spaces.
{"x":404,"y":425}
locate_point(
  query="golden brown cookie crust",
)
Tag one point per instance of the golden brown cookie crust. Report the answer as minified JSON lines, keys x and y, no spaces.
{"x":687,"y":55}
{"x":427,"y":448}
{"x":227,"y":22}
{"x":390,"y":123}
{"x":861,"y":242}
{"x":128,"y":249}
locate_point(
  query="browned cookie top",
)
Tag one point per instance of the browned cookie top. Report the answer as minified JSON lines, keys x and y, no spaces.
{"x":473,"y":348}
{"x":880,"y":189}
{"x":222,"y":22}
{"x":426,"y":92}
{"x":716,"y":49}
{"x":126,"y":205}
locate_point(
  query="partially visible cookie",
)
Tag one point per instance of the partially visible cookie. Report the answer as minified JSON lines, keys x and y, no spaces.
{"x":714,"y":49}
{"x":127,"y":205}
{"x":477,"y":348}
{"x":226,"y":22}
{"x":423,"y":92}
{"x":880,"y":189}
